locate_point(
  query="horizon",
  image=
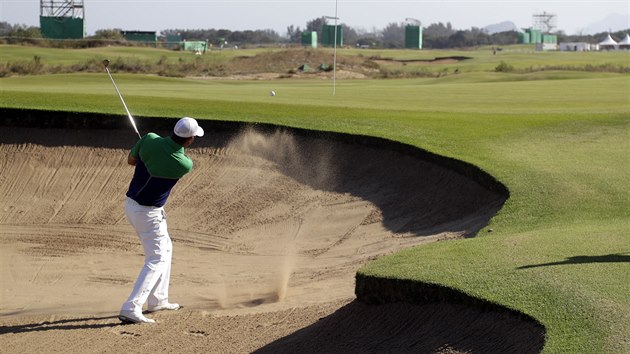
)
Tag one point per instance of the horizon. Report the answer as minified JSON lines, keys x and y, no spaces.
{"x":573,"y":17}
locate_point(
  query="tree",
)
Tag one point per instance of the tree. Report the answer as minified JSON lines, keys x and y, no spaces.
{"x":316,"y":25}
{"x":23,"y":31}
{"x":436,"y":35}
{"x":438,"y":30}
{"x":458,"y":39}
{"x":350,"y":35}
{"x":22,"y":34}
{"x":220,"y":36}
{"x":294,"y":34}
{"x":5,"y":29}
{"x":504,"y":38}
{"x":393,"y":35}
{"x":109,"y":34}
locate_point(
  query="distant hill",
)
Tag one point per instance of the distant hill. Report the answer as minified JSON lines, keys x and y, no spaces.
{"x":504,"y":26}
{"x":612,"y":23}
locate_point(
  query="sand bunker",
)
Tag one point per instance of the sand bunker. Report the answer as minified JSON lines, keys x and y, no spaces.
{"x":269,"y":228}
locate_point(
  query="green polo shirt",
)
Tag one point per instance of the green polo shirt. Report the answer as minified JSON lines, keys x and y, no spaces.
{"x":161,"y":162}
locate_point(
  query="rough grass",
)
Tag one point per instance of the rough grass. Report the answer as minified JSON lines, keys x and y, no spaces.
{"x":559,"y":140}
{"x":19,"y":60}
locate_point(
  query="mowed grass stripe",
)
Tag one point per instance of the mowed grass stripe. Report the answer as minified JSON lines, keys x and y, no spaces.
{"x":592,"y":94}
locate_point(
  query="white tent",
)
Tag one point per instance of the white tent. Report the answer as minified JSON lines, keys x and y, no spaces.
{"x":608,"y":43}
{"x":625,"y":43}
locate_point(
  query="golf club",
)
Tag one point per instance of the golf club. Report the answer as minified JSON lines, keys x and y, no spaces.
{"x":106,"y":63}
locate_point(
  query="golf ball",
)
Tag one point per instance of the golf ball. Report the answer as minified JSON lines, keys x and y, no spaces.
{"x":272,"y":93}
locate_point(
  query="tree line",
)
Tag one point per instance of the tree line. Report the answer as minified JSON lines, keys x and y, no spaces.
{"x":435,"y":36}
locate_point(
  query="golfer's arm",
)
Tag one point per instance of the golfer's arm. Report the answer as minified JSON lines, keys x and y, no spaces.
{"x":131,"y":160}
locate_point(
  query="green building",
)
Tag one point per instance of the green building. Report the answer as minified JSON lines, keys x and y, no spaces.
{"x":140,"y":36}
{"x":523,"y":37}
{"x":195,"y":46}
{"x":328,"y":35}
{"x":532,"y":36}
{"x":309,"y":39}
{"x":413,"y":37}
{"x":535,"y":36}
{"x":173,"y":41}
{"x":62,"y":27}
{"x":62,"y":19}
{"x":550,"y":38}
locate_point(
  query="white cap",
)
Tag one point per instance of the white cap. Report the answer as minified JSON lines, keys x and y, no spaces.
{"x":187,"y":127}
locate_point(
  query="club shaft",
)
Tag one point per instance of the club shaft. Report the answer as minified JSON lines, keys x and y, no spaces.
{"x":133,"y":123}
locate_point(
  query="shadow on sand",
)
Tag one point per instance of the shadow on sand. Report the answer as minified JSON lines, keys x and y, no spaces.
{"x":65,"y":324}
{"x":407,"y":328}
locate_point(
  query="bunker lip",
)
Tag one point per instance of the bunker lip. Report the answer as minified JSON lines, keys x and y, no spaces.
{"x":79,"y":121}
{"x":280,"y":221}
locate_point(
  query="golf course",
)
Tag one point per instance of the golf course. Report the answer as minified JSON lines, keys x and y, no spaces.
{"x":530,"y":148}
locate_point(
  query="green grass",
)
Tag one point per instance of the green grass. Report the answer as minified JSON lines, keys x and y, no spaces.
{"x":560,"y":250}
{"x":56,"y":56}
{"x":521,"y":57}
{"x":425,"y":95}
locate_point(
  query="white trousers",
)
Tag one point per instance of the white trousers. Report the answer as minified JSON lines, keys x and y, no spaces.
{"x":152,"y":283}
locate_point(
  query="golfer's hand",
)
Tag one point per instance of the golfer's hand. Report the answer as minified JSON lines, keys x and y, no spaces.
{"x":131,"y":160}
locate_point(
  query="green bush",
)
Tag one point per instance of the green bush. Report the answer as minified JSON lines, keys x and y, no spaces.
{"x":504,"y":67}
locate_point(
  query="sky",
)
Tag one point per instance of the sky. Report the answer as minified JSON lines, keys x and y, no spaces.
{"x":573,"y":17}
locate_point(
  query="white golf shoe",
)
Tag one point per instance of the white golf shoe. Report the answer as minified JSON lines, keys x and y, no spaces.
{"x":133,"y":317}
{"x":166,"y":306}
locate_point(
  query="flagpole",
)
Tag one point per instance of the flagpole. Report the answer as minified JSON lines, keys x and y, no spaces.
{"x":335,"y":54}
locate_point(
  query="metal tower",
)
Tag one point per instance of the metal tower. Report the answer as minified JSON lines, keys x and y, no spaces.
{"x":545,"y":22}
{"x":62,"y":19}
{"x":58,"y":8}
{"x":413,"y":33}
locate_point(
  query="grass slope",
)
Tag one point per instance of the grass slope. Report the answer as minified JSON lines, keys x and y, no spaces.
{"x":560,"y":250}
{"x":399,"y":63}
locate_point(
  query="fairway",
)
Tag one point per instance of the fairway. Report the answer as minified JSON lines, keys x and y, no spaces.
{"x":556,"y":251}
{"x":470,"y":93}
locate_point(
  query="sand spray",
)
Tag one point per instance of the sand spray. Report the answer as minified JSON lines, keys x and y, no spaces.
{"x":289,"y":258}
{"x":310,"y":165}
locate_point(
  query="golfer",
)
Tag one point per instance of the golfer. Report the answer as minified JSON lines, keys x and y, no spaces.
{"x":159,"y":163}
